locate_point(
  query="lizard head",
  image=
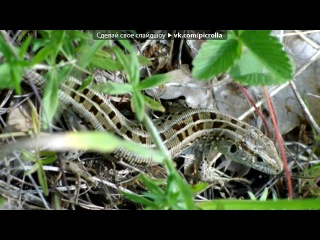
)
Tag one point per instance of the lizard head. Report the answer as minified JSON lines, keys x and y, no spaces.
{"x":260,"y":154}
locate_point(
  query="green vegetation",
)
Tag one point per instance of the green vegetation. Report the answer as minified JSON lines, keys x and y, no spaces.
{"x":251,"y":57}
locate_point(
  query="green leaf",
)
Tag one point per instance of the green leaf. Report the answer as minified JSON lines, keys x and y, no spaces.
{"x":5,"y":76}
{"x":50,"y":100}
{"x":132,"y":63}
{"x":268,"y":50}
{"x":41,"y":55}
{"x":123,"y":60}
{"x":56,"y":201}
{"x":39,"y":43}
{"x":92,"y":141}
{"x":16,"y":76}
{"x":37,"y":167}
{"x":178,"y":182}
{"x":216,"y":57}
{"x":12,"y":67}
{"x":113,"y":88}
{"x":138,"y":199}
{"x":106,"y":63}
{"x":50,"y":96}
{"x":22,"y":34}
{"x":134,"y":78}
{"x":160,"y":200}
{"x":49,"y":160}
{"x":151,"y":185}
{"x":153,"y":81}
{"x":42,"y":179}
{"x":313,"y":171}
{"x":236,"y":33}
{"x":264,"y":195}
{"x":126,"y":44}
{"x":179,"y":193}
{"x":46,"y":34}
{"x":83,"y":44}
{"x":260,"y":205}
{"x":199,"y":187}
{"x":86,"y":82}
{"x":89,"y":53}
{"x":48,"y":157}
{"x":249,"y":71}
{"x":186,"y":194}
{"x":24,"y":47}
{"x":6,"y":50}
{"x":144,"y":61}
{"x":138,"y":105}
{"x":28,"y":157}
{"x":64,"y":73}
{"x":154,"y":105}
{"x":36,"y":125}
{"x":247,"y":64}
{"x":252,"y":196}
{"x":57,"y":37}
{"x":254,"y":79}
{"x":56,"y":41}
{"x":1,"y":201}
{"x":33,"y":169}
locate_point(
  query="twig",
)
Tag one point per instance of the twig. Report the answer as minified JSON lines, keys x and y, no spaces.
{"x":304,"y":108}
{"x":244,"y":91}
{"x":279,"y":140}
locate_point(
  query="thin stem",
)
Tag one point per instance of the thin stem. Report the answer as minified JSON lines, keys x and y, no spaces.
{"x":280,"y":141}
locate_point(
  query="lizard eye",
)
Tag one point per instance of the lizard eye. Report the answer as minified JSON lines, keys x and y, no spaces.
{"x":259,"y":159}
{"x":278,"y":171}
{"x":233,"y":149}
